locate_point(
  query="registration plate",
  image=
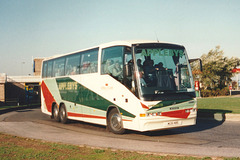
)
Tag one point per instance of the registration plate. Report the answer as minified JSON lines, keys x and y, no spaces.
{"x":173,"y":123}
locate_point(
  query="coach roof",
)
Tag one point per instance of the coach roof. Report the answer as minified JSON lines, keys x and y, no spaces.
{"x":109,"y":44}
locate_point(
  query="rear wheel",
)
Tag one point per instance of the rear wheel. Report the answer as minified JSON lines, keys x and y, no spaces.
{"x":63,"y":114}
{"x":56,"y":113}
{"x":114,"y":120}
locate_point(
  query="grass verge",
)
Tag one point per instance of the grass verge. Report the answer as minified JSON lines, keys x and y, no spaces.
{"x":8,"y":107}
{"x":19,"y":107}
{"x":219,"y":104}
{"x":12,"y":147}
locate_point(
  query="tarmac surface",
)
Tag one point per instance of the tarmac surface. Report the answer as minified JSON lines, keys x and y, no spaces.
{"x":208,"y":138}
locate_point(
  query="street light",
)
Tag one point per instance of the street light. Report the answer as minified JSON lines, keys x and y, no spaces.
{"x":22,"y":68}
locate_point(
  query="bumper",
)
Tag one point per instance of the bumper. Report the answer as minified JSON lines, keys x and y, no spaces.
{"x":161,"y":122}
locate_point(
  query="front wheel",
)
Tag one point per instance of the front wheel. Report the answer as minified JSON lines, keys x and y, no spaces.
{"x":114,"y":122}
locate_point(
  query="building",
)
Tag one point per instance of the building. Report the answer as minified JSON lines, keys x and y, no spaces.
{"x":236,"y":79}
{"x":2,"y":87}
{"x":18,"y":90}
{"x":37,"y":65}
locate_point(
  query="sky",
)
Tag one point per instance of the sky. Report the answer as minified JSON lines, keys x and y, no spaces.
{"x":43,"y":28}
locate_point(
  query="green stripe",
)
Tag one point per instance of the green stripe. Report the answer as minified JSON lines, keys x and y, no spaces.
{"x":169,"y":103}
{"x":74,"y":92}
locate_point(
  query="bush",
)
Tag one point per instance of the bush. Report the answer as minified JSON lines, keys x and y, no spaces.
{"x":224,"y":92}
{"x":206,"y":93}
{"x":214,"y":92}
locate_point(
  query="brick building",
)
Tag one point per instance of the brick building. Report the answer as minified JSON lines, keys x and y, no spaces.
{"x":37,"y":66}
{"x":2,"y":87}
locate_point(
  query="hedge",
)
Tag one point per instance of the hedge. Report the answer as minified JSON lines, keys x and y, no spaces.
{"x":215,"y":92}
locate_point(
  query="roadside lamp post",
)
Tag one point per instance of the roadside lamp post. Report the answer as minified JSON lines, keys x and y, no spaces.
{"x":22,"y":68}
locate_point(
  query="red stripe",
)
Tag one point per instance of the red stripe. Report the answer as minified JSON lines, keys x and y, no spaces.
{"x":85,"y":115}
{"x":48,"y":97}
{"x":176,"y":114}
{"x":144,"y":106}
{"x":89,"y":116}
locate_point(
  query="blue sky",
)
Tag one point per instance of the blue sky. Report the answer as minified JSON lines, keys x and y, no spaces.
{"x":42,"y":28}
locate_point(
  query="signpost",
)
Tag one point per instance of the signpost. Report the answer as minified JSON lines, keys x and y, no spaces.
{"x":197,"y":88}
{"x":197,"y":85}
{"x":230,"y":89}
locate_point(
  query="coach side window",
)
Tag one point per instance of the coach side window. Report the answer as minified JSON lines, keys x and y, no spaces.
{"x":89,"y":61}
{"x":58,"y":67}
{"x":49,"y":69}
{"x":72,"y":64}
{"x":44,"y":70}
{"x":112,"y":62}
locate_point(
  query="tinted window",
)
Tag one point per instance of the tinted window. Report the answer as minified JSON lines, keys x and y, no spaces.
{"x":72,"y":64}
{"x":44,"y":70}
{"x":58,"y":67}
{"x":112,"y":61}
{"x":89,"y":61}
{"x":164,"y":68}
{"x":49,"y":69}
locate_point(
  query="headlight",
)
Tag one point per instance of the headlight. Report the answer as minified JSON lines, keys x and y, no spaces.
{"x":154,"y":114}
{"x":190,"y":110}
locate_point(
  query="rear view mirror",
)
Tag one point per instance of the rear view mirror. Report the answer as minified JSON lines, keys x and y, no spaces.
{"x":127,"y":70}
{"x":197,"y":59}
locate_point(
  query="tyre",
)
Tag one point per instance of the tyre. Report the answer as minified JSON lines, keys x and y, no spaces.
{"x":56,"y":113}
{"x":63,"y":114}
{"x":114,"y":122}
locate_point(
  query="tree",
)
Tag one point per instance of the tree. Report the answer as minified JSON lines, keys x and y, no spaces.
{"x":217,"y":69}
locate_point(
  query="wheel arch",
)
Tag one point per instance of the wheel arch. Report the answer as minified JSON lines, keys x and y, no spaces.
{"x":109,"y":109}
{"x":53,"y":104}
{"x":108,"y":119}
{"x":62,"y":104}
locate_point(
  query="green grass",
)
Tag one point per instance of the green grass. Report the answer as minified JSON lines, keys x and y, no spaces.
{"x":7,"y":107}
{"x":219,"y":104}
{"x":212,"y":104}
{"x":12,"y":147}
{"x":20,"y":106}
